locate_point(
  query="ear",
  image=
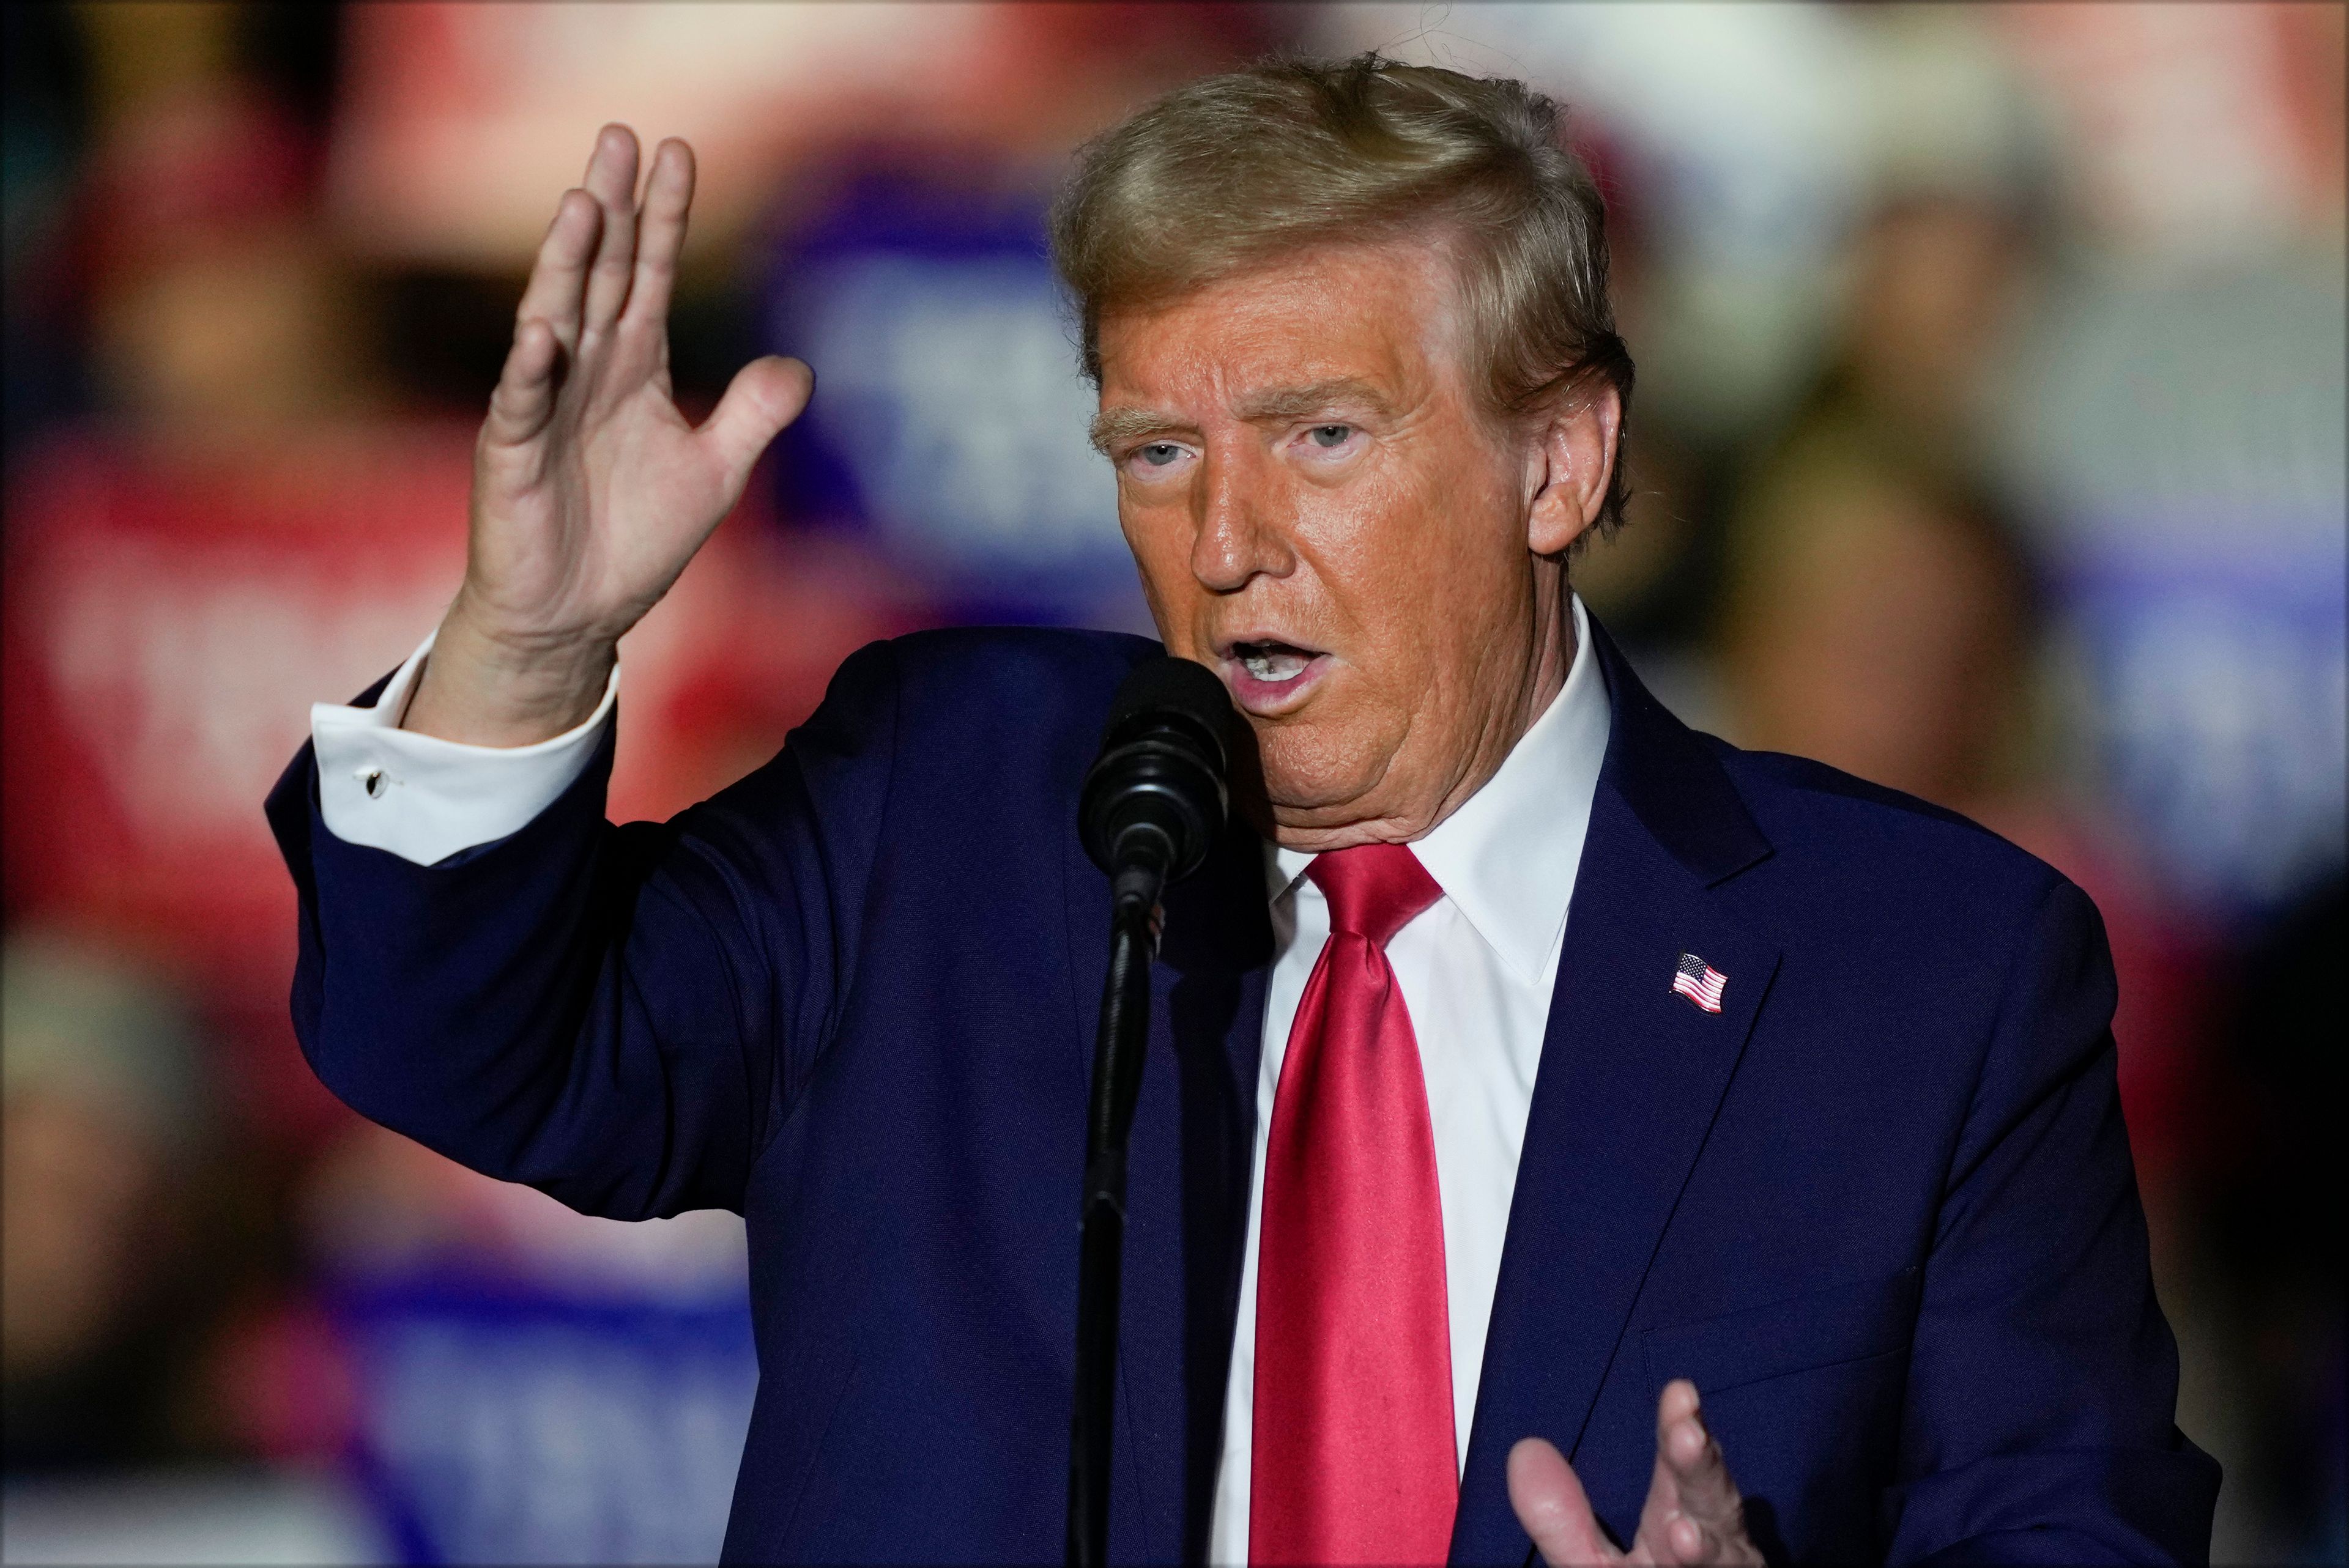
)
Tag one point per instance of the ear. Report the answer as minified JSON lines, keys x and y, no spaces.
{"x":1569,"y":468}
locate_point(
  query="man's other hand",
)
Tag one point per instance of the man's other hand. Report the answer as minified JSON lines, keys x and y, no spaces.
{"x":590,"y":491}
{"x":1693,"y":1515}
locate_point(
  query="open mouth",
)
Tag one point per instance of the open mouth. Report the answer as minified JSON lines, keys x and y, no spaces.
{"x":1266,"y":676}
{"x":1277,"y":663}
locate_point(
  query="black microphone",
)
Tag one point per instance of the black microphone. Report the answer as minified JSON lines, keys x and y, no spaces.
{"x":1156,"y":797}
{"x":1151,"y":804}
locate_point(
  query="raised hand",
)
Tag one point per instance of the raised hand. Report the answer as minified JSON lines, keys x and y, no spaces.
{"x":1693,"y":1515}
{"x":590,"y":491}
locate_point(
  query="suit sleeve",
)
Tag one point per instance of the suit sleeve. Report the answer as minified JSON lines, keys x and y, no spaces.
{"x":2039,"y":1422}
{"x":616,"y":1016}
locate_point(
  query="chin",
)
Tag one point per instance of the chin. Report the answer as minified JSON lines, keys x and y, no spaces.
{"x":1309,"y":772}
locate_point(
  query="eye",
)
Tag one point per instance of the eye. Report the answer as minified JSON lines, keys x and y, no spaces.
{"x":1328,"y":435}
{"x":1158,"y":454}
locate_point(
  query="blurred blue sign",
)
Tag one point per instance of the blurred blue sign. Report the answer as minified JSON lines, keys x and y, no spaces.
{"x":2179,"y":432}
{"x":2220,"y":684}
{"x":949,"y":419}
{"x":499,"y":1424}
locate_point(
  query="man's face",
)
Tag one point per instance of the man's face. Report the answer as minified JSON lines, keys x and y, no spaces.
{"x":1322,"y":517}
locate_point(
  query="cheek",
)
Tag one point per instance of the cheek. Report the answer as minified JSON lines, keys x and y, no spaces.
{"x":1365,"y":541}
{"x":1413,"y":568}
{"x":1159,"y":534}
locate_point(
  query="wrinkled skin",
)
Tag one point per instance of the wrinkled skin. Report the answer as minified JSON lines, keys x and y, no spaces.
{"x":1303,"y":462}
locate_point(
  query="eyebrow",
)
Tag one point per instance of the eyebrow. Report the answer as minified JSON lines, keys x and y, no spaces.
{"x":1297,"y":402}
{"x":1112,"y":427}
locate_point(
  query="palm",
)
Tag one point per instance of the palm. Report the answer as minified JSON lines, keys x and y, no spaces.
{"x":591,"y":491}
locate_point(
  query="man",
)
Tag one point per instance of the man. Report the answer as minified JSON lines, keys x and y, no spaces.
{"x":1549,"y":1114}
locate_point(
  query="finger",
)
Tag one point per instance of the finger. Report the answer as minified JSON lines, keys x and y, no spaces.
{"x":1677,"y":1403}
{"x":558,"y":279}
{"x":1706,"y":1519}
{"x":524,"y":398}
{"x":1552,"y":1506}
{"x":1672,"y":1407}
{"x":660,"y":238}
{"x":1700,"y":1474}
{"x":1689,"y":1543}
{"x":765,"y":395}
{"x":612,"y":179}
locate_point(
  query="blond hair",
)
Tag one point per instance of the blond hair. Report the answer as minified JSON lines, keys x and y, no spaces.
{"x":1236,"y":169}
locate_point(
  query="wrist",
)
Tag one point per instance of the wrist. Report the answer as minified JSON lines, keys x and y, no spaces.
{"x":480,"y":688}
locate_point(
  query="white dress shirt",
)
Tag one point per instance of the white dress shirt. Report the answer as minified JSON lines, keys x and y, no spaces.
{"x":1477,"y":967}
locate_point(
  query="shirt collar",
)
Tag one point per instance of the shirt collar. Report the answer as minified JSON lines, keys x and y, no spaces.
{"x":1507,"y":855}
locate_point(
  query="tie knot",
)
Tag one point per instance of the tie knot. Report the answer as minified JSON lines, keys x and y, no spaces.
{"x":1373,"y":889}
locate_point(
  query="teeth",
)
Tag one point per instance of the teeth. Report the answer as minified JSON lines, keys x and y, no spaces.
{"x":1275,"y":665}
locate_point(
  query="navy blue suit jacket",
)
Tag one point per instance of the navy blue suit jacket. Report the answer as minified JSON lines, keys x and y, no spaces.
{"x":1880,"y":1207}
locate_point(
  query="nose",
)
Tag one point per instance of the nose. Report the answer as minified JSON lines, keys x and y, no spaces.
{"x":1234,"y":540}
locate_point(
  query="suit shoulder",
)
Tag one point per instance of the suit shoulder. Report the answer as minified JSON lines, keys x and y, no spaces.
{"x":964,"y":653}
{"x":1851,"y":831}
{"x":1776,"y":770}
{"x":978,"y":689}
{"x":1024,"y":705}
{"x":1020,"y":679}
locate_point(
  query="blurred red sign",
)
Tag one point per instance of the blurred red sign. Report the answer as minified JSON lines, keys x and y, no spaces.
{"x":172,"y":617}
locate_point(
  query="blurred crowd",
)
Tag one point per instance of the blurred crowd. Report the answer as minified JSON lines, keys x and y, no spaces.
{"x":1989,"y":444}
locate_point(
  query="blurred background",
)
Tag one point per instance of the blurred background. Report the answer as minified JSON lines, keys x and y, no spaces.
{"x":1988,"y":443}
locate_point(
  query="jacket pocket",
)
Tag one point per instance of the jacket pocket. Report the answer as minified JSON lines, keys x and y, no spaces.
{"x":1823,"y":1327}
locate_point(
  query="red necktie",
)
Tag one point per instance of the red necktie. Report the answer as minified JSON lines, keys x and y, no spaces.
{"x":1353,"y":1457}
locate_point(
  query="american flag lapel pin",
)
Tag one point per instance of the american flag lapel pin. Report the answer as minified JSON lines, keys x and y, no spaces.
{"x":1700,"y":982}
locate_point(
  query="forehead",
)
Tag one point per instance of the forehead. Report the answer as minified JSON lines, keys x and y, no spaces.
{"x":1383,"y":313}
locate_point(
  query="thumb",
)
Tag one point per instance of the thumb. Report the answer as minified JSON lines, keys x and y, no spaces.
{"x":1551,"y":1505}
{"x":765,"y":395}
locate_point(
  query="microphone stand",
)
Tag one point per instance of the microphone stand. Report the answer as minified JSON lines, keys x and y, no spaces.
{"x":1101,"y":1253}
{"x":1152,"y":803}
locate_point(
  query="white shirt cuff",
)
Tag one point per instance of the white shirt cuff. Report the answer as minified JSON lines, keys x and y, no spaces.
{"x":424,"y":799}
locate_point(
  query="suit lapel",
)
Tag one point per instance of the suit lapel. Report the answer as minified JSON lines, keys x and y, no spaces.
{"x":1631,"y":1074}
